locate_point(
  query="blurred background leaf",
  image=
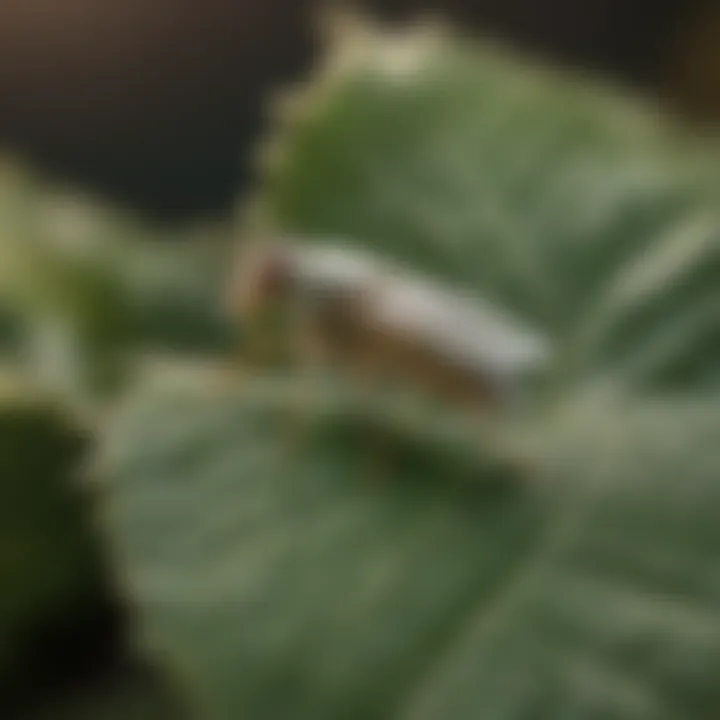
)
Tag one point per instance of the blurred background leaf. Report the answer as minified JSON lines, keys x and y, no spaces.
{"x":85,"y":289}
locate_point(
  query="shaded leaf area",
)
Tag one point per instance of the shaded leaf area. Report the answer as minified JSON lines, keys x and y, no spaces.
{"x":173,"y":296}
{"x":286,"y":579}
{"x":85,"y":290}
{"x":10,"y":334}
{"x":571,"y":206}
{"x":128,"y":693}
{"x":50,"y":564}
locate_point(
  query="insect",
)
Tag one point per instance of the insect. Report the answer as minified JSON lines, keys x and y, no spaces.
{"x":334,"y":305}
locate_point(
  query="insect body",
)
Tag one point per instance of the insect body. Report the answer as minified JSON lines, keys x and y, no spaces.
{"x":336,"y":305}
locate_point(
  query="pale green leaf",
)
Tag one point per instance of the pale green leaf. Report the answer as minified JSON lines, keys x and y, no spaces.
{"x":286,"y":579}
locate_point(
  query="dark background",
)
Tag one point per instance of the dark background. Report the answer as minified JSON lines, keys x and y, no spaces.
{"x":157,"y":102}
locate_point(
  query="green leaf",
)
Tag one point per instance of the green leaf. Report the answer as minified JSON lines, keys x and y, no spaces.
{"x":285,"y":579}
{"x":572,"y":207}
{"x":173,"y":293}
{"x":85,"y":289}
{"x":295,"y":553}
